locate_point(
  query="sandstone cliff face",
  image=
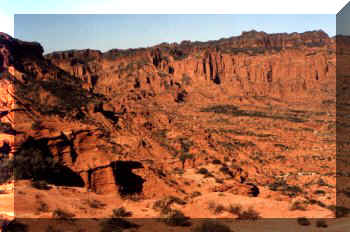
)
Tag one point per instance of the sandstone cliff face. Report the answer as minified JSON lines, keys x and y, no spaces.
{"x":255,"y":63}
{"x":89,"y":110}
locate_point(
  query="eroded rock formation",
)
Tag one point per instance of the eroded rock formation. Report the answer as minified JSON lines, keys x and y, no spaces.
{"x":99,"y":112}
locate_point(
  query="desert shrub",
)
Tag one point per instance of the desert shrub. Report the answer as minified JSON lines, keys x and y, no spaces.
{"x":226,"y":170}
{"x":294,"y":189}
{"x":321,"y":224}
{"x":121,"y":212}
{"x":210,"y":226}
{"x":176,"y":218}
{"x":219,"y":209}
{"x":303,"y":221}
{"x":321,"y":182}
{"x":249,"y":214}
{"x":278,"y":185}
{"x":62,"y":214}
{"x":185,"y":144}
{"x":281,"y":185}
{"x":216,"y":161}
{"x":317,"y":202}
{"x":174,"y":199}
{"x":178,"y":171}
{"x":186,"y":80}
{"x":181,"y":96}
{"x":96,"y":204}
{"x":178,"y":54}
{"x":281,"y":146}
{"x":297,"y":205}
{"x":43,"y":207}
{"x":203,"y":171}
{"x":133,"y":197}
{"x":164,"y":204}
{"x":223,"y":109}
{"x":209,"y":174}
{"x":162,"y":74}
{"x":235,"y":209}
{"x":216,"y":208}
{"x":185,"y":156}
{"x":196,"y":194}
{"x":320,"y":192}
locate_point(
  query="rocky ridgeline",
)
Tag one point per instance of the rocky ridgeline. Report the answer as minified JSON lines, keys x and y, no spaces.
{"x":254,"y":63}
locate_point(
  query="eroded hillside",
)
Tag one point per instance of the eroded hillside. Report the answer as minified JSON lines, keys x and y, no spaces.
{"x":246,"y":120}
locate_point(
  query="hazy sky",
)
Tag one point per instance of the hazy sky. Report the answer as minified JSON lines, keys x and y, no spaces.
{"x":104,"y":32}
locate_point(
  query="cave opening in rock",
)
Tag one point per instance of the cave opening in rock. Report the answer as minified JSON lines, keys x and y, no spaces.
{"x":128,"y":182}
{"x":34,"y":160}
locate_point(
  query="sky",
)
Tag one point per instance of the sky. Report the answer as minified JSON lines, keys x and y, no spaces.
{"x":25,"y":19}
{"x":107,"y":31}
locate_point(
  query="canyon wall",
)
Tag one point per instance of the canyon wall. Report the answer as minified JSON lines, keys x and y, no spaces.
{"x":88,"y":109}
